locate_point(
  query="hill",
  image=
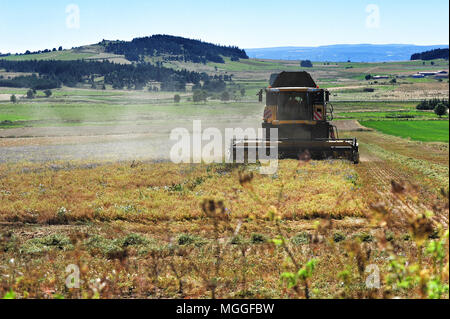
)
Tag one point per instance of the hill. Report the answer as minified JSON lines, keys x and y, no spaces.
{"x":162,"y":47}
{"x":431,"y":55}
{"x":341,"y":53}
{"x":176,"y":48}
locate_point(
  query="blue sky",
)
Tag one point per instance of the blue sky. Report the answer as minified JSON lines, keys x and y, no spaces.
{"x":43,"y":24}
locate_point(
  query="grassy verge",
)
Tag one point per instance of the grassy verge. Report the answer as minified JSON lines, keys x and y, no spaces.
{"x":427,"y":131}
{"x":365,"y":116}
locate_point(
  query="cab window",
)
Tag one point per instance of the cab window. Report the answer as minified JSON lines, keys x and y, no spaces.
{"x":293,"y":106}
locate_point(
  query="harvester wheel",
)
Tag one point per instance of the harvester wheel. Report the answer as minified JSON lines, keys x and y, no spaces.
{"x":356,"y":158}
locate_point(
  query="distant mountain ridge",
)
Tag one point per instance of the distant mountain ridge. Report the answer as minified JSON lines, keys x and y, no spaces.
{"x":344,"y":52}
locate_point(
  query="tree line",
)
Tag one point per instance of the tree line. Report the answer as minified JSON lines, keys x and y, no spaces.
{"x":177,"y":48}
{"x":306,"y":64}
{"x":431,"y":55}
{"x":54,"y":74}
{"x":28,"y":52}
{"x":431,"y":104}
{"x":32,"y":81}
{"x":439,"y":106}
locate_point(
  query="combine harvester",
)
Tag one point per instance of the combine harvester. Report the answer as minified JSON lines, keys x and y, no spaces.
{"x":302,"y":113}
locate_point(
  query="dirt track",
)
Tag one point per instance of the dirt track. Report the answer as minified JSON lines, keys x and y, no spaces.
{"x":5,"y":97}
{"x":150,"y":142}
{"x":144,"y":142}
{"x":100,"y":148}
{"x":350,"y":126}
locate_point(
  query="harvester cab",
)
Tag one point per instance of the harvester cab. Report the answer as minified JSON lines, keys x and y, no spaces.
{"x":301,"y":112}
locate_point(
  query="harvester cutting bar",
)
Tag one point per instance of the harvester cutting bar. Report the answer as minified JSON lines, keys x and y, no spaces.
{"x":319,"y":144}
{"x":318,"y":148}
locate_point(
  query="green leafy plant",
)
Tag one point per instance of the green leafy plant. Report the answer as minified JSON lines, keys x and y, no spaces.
{"x":10,"y":295}
{"x":293,"y":279}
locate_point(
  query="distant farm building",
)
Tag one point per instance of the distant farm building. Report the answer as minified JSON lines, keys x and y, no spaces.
{"x":428,"y":73}
{"x":437,"y":75}
{"x":380,"y":77}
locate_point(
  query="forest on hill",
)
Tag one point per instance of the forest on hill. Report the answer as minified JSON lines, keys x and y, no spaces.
{"x":431,"y":55}
{"x":53,"y":74}
{"x":175,"y":48}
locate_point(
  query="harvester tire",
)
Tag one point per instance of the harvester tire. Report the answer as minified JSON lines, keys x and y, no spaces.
{"x":356,"y":158}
